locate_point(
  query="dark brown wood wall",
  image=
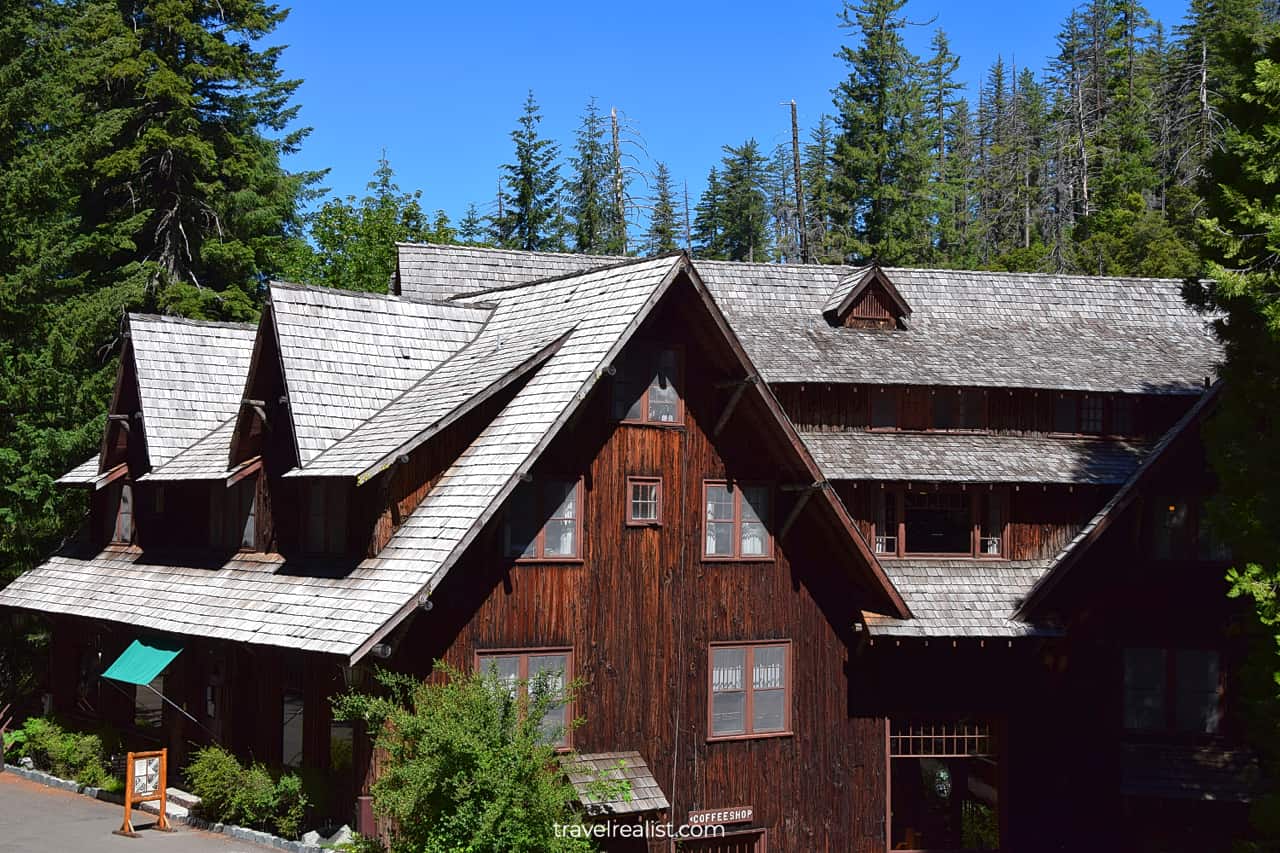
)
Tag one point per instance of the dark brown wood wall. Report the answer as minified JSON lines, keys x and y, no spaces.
{"x":641,"y":607}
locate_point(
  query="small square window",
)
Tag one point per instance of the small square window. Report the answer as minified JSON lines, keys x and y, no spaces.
{"x":644,"y":500}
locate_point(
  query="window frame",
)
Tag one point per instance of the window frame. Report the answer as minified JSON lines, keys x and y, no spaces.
{"x":651,"y":351}
{"x":632,"y":521}
{"x":524,"y":653}
{"x":539,"y":538}
{"x":897,"y":492}
{"x":748,"y":688}
{"x":218,"y":515}
{"x":1169,"y":693}
{"x":736,"y":487}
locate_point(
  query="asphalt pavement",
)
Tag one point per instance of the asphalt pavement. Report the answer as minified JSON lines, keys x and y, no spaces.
{"x":37,"y":819}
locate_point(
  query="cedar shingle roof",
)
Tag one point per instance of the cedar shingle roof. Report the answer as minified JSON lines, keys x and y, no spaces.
{"x":84,"y":474}
{"x":974,"y":458}
{"x":428,"y":271}
{"x":347,"y":354}
{"x":1015,"y":330}
{"x":960,"y":598}
{"x":643,"y":794}
{"x":190,"y":378}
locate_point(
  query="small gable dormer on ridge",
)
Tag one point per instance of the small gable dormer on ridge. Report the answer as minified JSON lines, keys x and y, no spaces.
{"x":867,"y":299}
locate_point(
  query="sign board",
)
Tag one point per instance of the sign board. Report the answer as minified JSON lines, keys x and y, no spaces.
{"x":145,"y":781}
{"x":722,"y":817}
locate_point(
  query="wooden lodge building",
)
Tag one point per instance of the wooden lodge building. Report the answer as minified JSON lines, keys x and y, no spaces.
{"x":849,"y":559}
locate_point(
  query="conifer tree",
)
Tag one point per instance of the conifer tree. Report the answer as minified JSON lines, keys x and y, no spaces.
{"x":708,"y":220}
{"x":663,"y":234}
{"x":822,"y":208}
{"x":471,"y":228}
{"x":531,"y":217}
{"x":590,"y":188}
{"x":882,"y":157}
{"x":947,"y":179}
{"x":744,"y":204}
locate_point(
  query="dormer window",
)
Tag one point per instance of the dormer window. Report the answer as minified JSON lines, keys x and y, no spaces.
{"x":233,"y":516}
{"x":867,"y":300}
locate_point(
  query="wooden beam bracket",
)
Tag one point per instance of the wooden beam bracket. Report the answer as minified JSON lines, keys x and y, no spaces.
{"x":805,"y":492}
{"x":739,"y":387}
{"x":259,"y":407}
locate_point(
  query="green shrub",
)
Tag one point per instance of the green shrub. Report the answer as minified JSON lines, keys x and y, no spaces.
{"x":231,"y":793}
{"x":69,"y":755}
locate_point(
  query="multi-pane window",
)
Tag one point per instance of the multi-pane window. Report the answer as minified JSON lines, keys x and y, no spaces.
{"x":927,"y":520}
{"x":1176,"y":690}
{"x":959,"y":409}
{"x":544,"y":521}
{"x":1091,"y":414}
{"x":736,"y":521}
{"x":645,"y":386}
{"x":1170,"y":528}
{"x":122,"y":530}
{"x":644,"y":500}
{"x":543,"y":670}
{"x":750,"y":690}
{"x":1064,"y":413}
{"x":324,"y":526}
{"x":233,"y":515}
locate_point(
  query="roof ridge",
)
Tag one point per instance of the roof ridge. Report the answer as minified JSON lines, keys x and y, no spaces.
{"x":135,"y":316}
{"x":364,"y":294}
{"x":561,"y":276}
{"x":1038,"y":274}
{"x":455,"y":247}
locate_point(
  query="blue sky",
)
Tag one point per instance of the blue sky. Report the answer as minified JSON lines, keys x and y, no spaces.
{"x":440,"y":86}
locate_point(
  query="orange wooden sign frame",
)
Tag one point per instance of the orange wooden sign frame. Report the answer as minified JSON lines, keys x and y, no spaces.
{"x":131,"y":799}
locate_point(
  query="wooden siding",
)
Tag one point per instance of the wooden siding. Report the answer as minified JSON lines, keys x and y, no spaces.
{"x":642,"y":607}
{"x":872,"y":310}
{"x":828,"y":407}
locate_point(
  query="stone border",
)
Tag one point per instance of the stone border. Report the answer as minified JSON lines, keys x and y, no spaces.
{"x":176,"y":814}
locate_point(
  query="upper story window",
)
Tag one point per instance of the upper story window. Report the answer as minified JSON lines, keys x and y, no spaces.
{"x":1172,"y":690}
{"x":646,"y":386}
{"x":1123,"y":419}
{"x":1180,"y":529}
{"x":122,"y":529}
{"x":942,"y":409}
{"x":324,"y":523}
{"x":544,"y":521}
{"x":644,"y":500}
{"x":542,"y":669}
{"x":944,"y":520}
{"x":736,"y":521}
{"x":233,"y":515}
{"x":750,"y":690}
{"x":884,"y":408}
{"x":959,"y":409}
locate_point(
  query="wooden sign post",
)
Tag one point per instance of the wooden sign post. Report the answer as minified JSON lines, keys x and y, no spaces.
{"x":145,"y":781}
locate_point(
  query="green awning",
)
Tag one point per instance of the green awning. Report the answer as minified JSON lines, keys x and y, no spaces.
{"x":143,"y":660}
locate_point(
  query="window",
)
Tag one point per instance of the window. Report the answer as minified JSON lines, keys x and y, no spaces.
{"x":1122,"y":416}
{"x":325,"y":524}
{"x":1209,"y":546}
{"x":884,"y":408}
{"x":750,"y":690}
{"x":148,"y":707}
{"x":959,"y":409}
{"x":937,"y":522}
{"x":1064,"y":413}
{"x":887,"y":522}
{"x":1091,"y":414}
{"x":951,"y":521}
{"x":736,"y":521}
{"x":645,"y":386}
{"x":122,"y":532}
{"x":543,"y":669}
{"x":946,"y":409}
{"x":993,"y":510}
{"x":293,"y":714}
{"x":544,"y":521}
{"x":973,"y":409}
{"x":233,"y":515}
{"x":1172,"y":690}
{"x":644,"y":500}
{"x":1170,"y":528}
{"x":944,"y":787}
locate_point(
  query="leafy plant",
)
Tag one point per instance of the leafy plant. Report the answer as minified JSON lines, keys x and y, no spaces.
{"x":468,"y":766}
{"x":69,"y":755}
{"x":229,"y":792}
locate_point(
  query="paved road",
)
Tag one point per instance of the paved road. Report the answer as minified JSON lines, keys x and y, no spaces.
{"x":36,"y":819}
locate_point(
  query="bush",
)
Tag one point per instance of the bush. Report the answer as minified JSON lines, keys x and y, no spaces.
{"x":229,"y":792}
{"x":69,"y":755}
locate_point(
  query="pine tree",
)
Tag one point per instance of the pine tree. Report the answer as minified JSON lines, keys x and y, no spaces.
{"x":783,"y":217}
{"x":947,"y":179}
{"x":708,"y":220}
{"x":882,"y":157}
{"x":472,"y":230}
{"x":663,"y":234}
{"x":590,"y":188}
{"x":744,"y":205}
{"x":822,"y":208}
{"x":531,"y":217}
